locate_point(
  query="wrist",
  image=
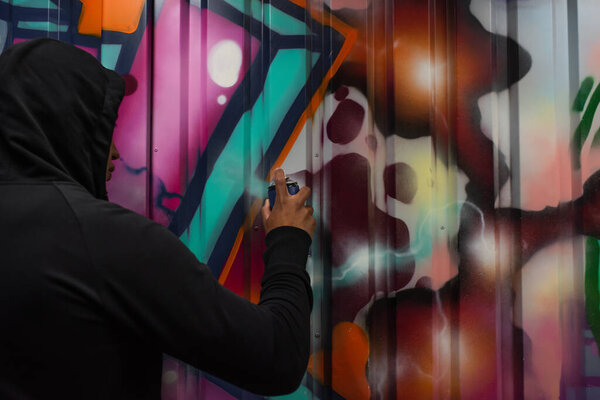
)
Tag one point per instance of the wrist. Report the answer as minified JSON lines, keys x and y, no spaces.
{"x":287,"y":244}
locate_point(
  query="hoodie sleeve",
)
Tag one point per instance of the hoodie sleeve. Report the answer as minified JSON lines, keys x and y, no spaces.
{"x":153,"y":286}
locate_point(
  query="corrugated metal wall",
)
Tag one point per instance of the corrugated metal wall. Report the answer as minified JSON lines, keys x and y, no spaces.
{"x":451,"y":147}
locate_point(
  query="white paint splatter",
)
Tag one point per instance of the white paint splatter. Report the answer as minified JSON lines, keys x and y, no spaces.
{"x":224,"y":63}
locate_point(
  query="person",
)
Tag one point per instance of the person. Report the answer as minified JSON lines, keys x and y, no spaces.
{"x":92,"y":294}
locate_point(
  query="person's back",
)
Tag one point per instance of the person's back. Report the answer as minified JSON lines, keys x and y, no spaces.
{"x":92,"y":294}
{"x":56,"y":336}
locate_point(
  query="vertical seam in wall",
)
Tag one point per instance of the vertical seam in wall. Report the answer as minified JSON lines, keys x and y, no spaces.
{"x":577,"y":356}
{"x":246,"y":245}
{"x":516,"y":315}
{"x":150,"y":26}
{"x":184,"y":75}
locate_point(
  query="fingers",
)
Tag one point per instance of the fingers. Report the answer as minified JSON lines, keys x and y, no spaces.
{"x":310,"y":222}
{"x":281,"y":190}
{"x":280,"y":186}
{"x":303,"y":194}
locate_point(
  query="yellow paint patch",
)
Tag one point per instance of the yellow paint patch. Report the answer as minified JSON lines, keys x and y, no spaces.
{"x":437,"y":185}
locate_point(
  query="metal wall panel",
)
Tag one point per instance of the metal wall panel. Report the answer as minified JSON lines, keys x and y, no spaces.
{"x":451,"y":146}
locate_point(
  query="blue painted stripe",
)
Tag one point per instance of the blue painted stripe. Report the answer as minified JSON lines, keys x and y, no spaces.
{"x":332,"y":42}
{"x":227,"y":237}
{"x":239,"y":103}
{"x":253,"y":133}
{"x":229,"y":233}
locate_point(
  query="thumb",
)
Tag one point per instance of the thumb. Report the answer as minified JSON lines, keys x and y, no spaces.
{"x":266,"y":210}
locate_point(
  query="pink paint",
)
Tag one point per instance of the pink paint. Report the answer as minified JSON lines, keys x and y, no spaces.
{"x":545,"y":355}
{"x":551,"y":182}
{"x":185,"y":108}
{"x":172,"y":103}
{"x":212,"y":391}
{"x":594,"y":349}
{"x":130,"y":137}
{"x":593,"y":60}
{"x":442,"y":267}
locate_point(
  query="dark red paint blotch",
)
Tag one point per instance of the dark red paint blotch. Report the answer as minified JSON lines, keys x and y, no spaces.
{"x":346,"y":122}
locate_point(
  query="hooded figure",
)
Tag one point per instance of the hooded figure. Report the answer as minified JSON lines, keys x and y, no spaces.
{"x":92,"y":294}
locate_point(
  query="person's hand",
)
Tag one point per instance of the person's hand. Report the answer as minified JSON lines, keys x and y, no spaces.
{"x":289,"y":210}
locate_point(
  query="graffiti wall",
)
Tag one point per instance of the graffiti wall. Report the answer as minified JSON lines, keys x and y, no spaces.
{"x":453,"y":151}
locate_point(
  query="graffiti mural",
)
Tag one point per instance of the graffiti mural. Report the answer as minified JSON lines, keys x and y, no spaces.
{"x":453,"y":149}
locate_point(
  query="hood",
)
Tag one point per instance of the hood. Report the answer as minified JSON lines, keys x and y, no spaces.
{"x":58,"y":107}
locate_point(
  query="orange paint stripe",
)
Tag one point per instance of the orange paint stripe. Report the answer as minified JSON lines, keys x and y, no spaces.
{"x":231,"y":258}
{"x":351,"y":36}
{"x":316,"y":100}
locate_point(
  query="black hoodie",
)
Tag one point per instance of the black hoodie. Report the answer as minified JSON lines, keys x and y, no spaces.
{"x":92,"y":294}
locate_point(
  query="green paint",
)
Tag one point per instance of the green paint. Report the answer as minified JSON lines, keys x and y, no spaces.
{"x":191,"y":233}
{"x":380,"y":259}
{"x":253,"y":133}
{"x":596,"y":141}
{"x":422,"y":243}
{"x":302,"y":393}
{"x":42,"y":26}
{"x":584,"y":127}
{"x":32,"y":3}
{"x":282,"y":23}
{"x":109,"y":55}
{"x":276,"y":20}
{"x":583,"y":94}
{"x":3,"y":33}
{"x":592,"y":286}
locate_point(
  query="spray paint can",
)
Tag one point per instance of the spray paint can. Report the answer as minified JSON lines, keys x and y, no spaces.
{"x":292,"y":187}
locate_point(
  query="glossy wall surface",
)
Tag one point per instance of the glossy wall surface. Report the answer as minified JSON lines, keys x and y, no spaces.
{"x":452,"y":148}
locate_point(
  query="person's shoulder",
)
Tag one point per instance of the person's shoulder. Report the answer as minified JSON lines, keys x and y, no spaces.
{"x":90,"y":210}
{"x":83,"y":201}
{"x":102,"y":221}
